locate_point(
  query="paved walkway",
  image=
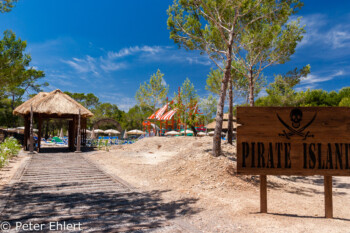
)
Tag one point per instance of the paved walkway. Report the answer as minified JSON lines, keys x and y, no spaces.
{"x":64,"y":188}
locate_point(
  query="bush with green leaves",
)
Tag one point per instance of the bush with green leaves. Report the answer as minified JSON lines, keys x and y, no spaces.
{"x":8,"y":149}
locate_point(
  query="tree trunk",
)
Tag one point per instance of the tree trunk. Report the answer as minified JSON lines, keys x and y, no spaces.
{"x":230,"y":113}
{"x":251,"y":88}
{"x":220,"y":106}
{"x":194,"y":130}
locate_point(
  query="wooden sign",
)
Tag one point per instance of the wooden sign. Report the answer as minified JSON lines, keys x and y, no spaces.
{"x":294,"y":141}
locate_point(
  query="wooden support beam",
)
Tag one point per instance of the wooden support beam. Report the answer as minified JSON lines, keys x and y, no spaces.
{"x":40,"y":120}
{"x":26,"y":132}
{"x":263,"y":194}
{"x":31,"y":140}
{"x":78,"y":150}
{"x":328,"y":199}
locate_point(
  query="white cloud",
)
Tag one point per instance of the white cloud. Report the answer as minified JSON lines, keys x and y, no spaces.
{"x":88,"y":64}
{"x":313,"y":24}
{"x":132,"y":50}
{"x":312,"y":81}
{"x":339,"y":37}
{"x":320,"y":31}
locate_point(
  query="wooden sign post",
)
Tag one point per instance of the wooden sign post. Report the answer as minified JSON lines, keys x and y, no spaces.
{"x":302,"y":141}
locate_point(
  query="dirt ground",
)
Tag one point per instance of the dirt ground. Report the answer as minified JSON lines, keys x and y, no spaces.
{"x":7,"y":172}
{"x":183,"y":169}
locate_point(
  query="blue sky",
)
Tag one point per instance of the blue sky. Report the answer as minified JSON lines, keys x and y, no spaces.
{"x":109,"y":47}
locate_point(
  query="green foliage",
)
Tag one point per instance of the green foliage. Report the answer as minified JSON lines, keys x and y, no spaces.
{"x":153,"y":93}
{"x":135,"y":116}
{"x":345,"y":102}
{"x":9,"y":148}
{"x":88,"y":100}
{"x":240,"y":84}
{"x":6,"y":5}
{"x":281,"y":92}
{"x":186,"y":103}
{"x":208,"y":108}
{"x":15,"y":72}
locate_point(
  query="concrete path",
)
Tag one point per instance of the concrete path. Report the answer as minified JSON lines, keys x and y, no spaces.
{"x":64,"y":192}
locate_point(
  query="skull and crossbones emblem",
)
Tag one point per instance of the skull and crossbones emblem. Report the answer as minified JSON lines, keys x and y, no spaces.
{"x":296,"y":116}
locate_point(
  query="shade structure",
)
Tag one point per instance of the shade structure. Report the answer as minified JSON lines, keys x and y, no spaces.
{"x":135,"y":132}
{"x":211,"y":133}
{"x":169,"y":115}
{"x":98,"y":131}
{"x":88,"y":131}
{"x":201,"y":134}
{"x":55,"y":102}
{"x":187,"y":131}
{"x":61,"y":133}
{"x":158,"y":114}
{"x":111,"y":131}
{"x":224,"y":125}
{"x":21,"y":128}
{"x":171,"y":133}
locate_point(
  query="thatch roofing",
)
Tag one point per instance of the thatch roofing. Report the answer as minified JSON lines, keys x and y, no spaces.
{"x":52,"y":103}
{"x":224,"y":125}
{"x":226,"y":117}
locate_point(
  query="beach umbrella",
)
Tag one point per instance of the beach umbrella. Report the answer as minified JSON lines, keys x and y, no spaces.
{"x":61,"y":133}
{"x":88,"y":131}
{"x":11,"y":130}
{"x":187,"y":131}
{"x":201,"y":134}
{"x":211,"y":133}
{"x":20,"y":128}
{"x":98,"y":131}
{"x":135,"y":132}
{"x":111,"y":131}
{"x":171,"y":133}
{"x":125,"y":134}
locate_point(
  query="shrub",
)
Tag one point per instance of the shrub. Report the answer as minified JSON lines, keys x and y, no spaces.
{"x":9,"y":148}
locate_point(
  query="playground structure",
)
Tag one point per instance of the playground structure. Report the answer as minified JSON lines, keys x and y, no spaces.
{"x":166,"y":119}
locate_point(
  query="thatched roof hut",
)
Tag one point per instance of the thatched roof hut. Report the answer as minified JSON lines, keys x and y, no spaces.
{"x":212,"y":124}
{"x":53,"y":103}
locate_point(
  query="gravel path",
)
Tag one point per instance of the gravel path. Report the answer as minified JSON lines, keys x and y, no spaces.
{"x":64,"y":188}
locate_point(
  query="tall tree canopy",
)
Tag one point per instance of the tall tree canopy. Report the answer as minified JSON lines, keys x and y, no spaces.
{"x":6,"y":5}
{"x":215,"y":27}
{"x":186,"y":103}
{"x":153,"y":93}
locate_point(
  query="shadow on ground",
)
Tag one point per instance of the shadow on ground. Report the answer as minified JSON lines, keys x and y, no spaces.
{"x":50,"y":150}
{"x":100,"y":211}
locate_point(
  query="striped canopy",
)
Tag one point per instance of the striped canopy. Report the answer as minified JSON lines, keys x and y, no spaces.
{"x":157,"y":115}
{"x":168,"y":115}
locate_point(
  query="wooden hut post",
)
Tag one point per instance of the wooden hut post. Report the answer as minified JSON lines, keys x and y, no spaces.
{"x":26,"y":131}
{"x":39,"y":132}
{"x":79,"y":135}
{"x":71,"y":135}
{"x":31,"y":146}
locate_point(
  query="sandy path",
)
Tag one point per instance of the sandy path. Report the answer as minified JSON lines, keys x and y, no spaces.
{"x":228,"y":203}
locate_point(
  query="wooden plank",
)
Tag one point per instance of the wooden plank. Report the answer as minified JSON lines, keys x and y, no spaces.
{"x":263,"y":194}
{"x":293,"y":141}
{"x":328,"y":199}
